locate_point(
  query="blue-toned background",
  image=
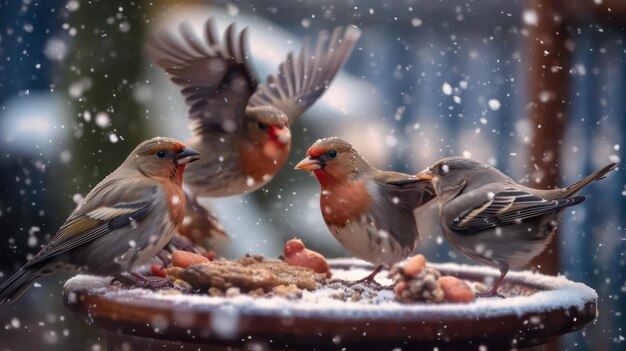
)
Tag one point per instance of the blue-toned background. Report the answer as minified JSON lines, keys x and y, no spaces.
{"x":428,"y":79}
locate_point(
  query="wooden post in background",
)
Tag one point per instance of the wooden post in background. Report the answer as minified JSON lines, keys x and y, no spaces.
{"x":548,"y":94}
{"x":548,"y":90}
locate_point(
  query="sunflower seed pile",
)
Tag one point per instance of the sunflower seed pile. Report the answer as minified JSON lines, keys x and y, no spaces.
{"x":422,"y":287}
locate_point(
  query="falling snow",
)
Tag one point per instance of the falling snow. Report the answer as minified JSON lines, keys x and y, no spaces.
{"x":103,"y":120}
{"x":494,"y":104}
{"x":537,"y":95}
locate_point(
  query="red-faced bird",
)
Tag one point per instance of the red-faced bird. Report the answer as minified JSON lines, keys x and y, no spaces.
{"x":370,"y":212}
{"x":240,"y":126}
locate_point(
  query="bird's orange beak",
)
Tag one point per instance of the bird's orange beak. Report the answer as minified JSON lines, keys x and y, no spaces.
{"x":426,"y":174}
{"x":309,"y":164}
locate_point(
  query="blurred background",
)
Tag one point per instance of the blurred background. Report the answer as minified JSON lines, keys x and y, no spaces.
{"x":534,"y":88}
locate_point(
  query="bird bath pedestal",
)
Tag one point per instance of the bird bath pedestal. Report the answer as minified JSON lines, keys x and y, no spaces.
{"x":537,"y":310}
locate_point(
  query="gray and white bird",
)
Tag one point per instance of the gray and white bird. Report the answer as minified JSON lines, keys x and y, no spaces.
{"x":240,"y":126}
{"x":494,"y":220}
{"x":369,"y":211}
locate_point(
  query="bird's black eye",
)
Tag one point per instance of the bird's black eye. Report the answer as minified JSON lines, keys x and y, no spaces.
{"x":161,"y":153}
{"x":444,"y":169}
{"x":261,"y":125}
{"x":332,"y":153}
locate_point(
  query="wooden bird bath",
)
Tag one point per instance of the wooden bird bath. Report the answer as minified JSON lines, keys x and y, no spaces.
{"x":537,"y":309}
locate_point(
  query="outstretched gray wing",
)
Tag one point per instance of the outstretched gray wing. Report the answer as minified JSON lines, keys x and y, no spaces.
{"x":301,"y":80}
{"x":216,"y":78}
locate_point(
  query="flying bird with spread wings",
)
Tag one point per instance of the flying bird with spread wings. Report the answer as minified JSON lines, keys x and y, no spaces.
{"x":240,"y":126}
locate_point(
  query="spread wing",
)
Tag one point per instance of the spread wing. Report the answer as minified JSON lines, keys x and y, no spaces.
{"x":82,"y":229}
{"x":509,"y":206}
{"x":301,"y":80}
{"x":216,"y":78}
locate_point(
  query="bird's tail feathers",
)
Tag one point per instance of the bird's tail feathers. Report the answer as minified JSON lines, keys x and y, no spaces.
{"x":15,"y":286}
{"x":597,"y":175}
{"x":201,"y":226}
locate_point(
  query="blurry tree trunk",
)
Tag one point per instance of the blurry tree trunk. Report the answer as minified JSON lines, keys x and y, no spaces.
{"x":105,"y":61}
{"x":548,"y":93}
{"x":602,"y":11}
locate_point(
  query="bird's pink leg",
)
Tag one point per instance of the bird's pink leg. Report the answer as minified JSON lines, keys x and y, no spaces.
{"x":370,"y":278}
{"x":163,"y":256}
{"x":367,"y":280}
{"x":493,"y":292}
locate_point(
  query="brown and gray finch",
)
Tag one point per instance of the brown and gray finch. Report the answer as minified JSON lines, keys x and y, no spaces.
{"x":370,"y":212}
{"x":123,"y":222}
{"x":242,"y":127}
{"x":492,"y":219}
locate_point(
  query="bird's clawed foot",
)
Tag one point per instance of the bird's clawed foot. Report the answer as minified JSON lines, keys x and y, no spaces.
{"x":493,"y":292}
{"x":490,"y":293}
{"x":141,"y":281}
{"x":370,"y":279}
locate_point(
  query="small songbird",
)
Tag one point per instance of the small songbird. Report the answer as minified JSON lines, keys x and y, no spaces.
{"x":242,"y":127}
{"x":492,"y":219}
{"x":370,"y":212}
{"x":123,"y":222}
